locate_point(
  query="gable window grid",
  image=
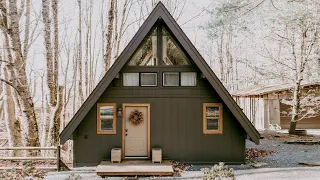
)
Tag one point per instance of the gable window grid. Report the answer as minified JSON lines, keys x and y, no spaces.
{"x":159,"y":49}
{"x":213,"y":118}
{"x":104,"y":116}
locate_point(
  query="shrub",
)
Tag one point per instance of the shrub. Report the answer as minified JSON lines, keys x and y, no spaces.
{"x":218,"y":172}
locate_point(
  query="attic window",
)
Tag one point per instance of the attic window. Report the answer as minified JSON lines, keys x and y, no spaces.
{"x":212,"y":118}
{"x":106,"y":118}
{"x":146,"y":55}
{"x":172,"y":54}
{"x":159,"y":48}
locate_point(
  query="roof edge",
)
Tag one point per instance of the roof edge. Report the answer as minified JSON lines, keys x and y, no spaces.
{"x":160,"y":12}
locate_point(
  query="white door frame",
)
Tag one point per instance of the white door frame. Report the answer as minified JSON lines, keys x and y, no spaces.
{"x":123,"y":126}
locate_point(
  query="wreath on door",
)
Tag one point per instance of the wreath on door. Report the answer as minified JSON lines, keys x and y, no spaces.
{"x":136,"y":117}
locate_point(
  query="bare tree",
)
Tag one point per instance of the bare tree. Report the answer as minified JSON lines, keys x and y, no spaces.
{"x":13,"y":126}
{"x":109,"y":33}
{"x":52,"y":52}
{"x":17,"y":69}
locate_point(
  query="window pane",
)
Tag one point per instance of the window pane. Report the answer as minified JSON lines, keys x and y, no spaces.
{"x":146,"y":55}
{"x":212,"y":111}
{"x":130,"y":79}
{"x":212,"y":124}
{"x":171,"y":79}
{"x":148,"y":79}
{"x":106,"y":112}
{"x":188,"y":78}
{"x":172,"y":54}
{"x":106,"y":125}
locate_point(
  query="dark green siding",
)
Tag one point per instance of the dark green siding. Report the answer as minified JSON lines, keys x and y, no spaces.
{"x":175,"y":125}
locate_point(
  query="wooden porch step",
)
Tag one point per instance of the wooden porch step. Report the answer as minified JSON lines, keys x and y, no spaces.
{"x":135,"y":168}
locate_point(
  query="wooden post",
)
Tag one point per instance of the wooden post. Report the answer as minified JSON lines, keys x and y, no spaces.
{"x":58,"y":158}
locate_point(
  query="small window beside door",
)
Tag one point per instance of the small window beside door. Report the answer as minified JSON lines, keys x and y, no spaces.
{"x":106,"y":118}
{"x":212,"y":118}
{"x":179,"y":79}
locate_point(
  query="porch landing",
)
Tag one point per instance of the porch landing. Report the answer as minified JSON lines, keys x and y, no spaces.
{"x":134,"y":167}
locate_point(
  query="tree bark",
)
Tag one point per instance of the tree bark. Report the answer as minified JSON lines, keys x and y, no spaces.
{"x":295,"y":107}
{"x":54,"y":129}
{"x":17,"y":71}
{"x":107,"y":57}
{"x":54,"y":106}
{"x":52,"y":83}
{"x":80,"y":54}
{"x":292,"y":128}
{"x":12,"y":123}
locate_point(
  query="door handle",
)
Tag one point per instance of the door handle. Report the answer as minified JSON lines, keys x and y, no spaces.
{"x":126,"y":134}
{"x":126,"y":130}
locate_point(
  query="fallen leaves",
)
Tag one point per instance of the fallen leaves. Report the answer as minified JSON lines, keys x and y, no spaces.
{"x":179,"y":167}
{"x":252,"y":153}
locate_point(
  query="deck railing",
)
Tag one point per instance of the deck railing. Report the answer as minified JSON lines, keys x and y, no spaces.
{"x":16,"y":158}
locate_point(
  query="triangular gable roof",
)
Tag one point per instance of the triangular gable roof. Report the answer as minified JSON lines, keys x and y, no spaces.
{"x":160,"y":12}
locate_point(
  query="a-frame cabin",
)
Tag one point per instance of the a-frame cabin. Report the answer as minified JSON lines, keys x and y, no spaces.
{"x":160,"y":93}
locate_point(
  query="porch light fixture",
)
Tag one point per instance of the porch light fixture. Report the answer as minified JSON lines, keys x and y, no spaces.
{"x":119,"y":111}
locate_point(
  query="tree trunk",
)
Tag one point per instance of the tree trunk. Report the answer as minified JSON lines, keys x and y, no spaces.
{"x":295,"y":106}
{"x":220,"y":56}
{"x":17,"y":71}
{"x":54,"y":105}
{"x":13,"y":125}
{"x":293,"y":126}
{"x":107,"y":57}
{"x":55,"y":120}
{"x":80,"y":54}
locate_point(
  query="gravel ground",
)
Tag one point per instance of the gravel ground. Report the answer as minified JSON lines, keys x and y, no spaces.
{"x":287,"y":155}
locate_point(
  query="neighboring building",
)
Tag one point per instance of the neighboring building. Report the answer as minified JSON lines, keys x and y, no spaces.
{"x":263,"y":106}
{"x":160,"y":93}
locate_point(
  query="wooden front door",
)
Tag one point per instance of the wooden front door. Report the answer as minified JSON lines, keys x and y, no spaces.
{"x":136,"y":135}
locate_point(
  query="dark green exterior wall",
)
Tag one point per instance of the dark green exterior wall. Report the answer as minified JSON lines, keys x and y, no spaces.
{"x":176,"y":124}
